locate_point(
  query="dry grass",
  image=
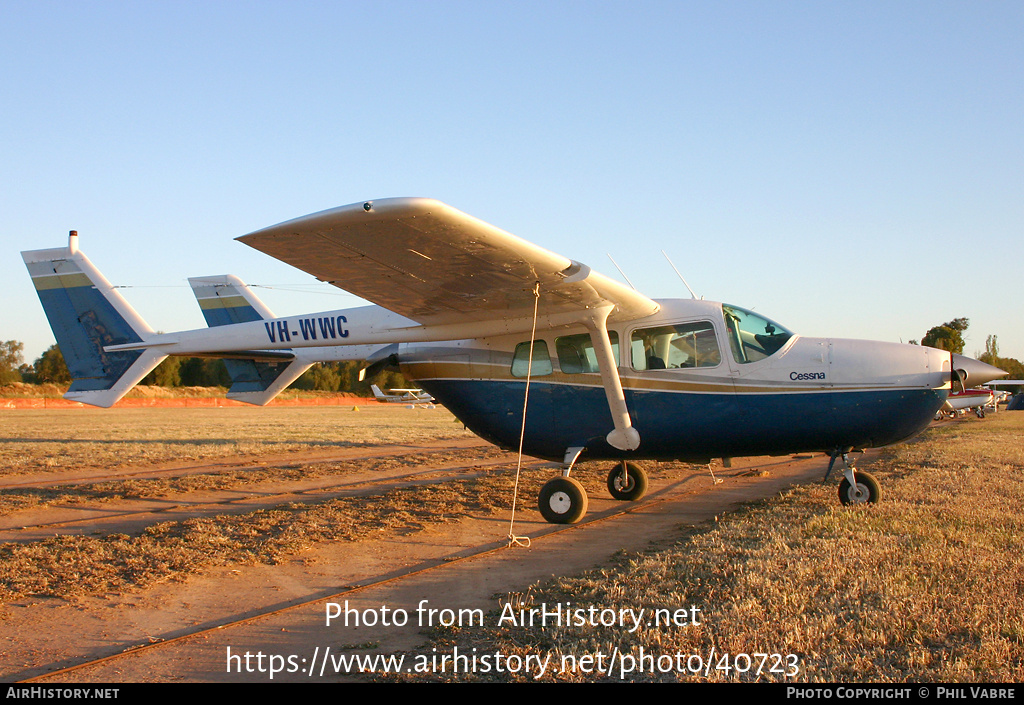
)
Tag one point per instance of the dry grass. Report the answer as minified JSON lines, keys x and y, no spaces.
{"x":22,"y":390}
{"x":41,"y":440}
{"x":925,"y":586}
{"x":73,"y":566}
{"x":251,"y":479}
{"x":59,"y":440}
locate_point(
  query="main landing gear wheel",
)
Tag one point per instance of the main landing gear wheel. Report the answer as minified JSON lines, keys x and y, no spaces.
{"x":627,"y":481}
{"x":865,"y":491}
{"x":563,"y":501}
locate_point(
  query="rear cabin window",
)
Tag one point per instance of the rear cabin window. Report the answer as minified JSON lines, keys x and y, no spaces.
{"x":541,"y":360}
{"x":677,"y":346}
{"x":576,"y":353}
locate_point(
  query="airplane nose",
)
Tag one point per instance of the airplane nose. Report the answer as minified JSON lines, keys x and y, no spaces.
{"x":975,"y":372}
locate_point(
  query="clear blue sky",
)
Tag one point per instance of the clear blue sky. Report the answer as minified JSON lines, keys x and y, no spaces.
{"x":850,"y":169}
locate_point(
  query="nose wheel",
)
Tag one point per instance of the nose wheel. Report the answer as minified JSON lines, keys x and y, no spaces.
{"x":864,"y":490}
{"x":857,"y":487}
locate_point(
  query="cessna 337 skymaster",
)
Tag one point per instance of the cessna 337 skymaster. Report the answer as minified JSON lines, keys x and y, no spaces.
{"x":613,"y":374}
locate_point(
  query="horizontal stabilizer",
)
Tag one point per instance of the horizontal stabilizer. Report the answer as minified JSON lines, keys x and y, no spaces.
{"x":146,"y":363}
{"x":257,"y":383}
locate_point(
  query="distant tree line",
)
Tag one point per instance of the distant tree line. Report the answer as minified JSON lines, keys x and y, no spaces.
{"x":1014,"y":367}
{"x":192,"y":372}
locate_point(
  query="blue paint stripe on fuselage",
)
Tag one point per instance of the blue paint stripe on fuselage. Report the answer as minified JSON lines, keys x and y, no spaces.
{"x":686,"y":426}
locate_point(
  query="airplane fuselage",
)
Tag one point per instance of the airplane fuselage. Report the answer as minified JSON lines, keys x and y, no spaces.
{"x":812,"y":394}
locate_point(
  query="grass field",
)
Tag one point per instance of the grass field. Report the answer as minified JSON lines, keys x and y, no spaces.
{"x":924,"y":586}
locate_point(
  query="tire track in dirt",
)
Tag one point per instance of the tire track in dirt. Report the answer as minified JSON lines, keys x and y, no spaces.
{"x":332,"y":475}
{"x":279,"y":460}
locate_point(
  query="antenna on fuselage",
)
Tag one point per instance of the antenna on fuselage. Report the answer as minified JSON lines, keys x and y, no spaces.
{"x":693,"y":295}
{"x":621,"y":272}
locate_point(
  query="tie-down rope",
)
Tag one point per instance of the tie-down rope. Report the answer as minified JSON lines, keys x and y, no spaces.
{"x":514,"y":540}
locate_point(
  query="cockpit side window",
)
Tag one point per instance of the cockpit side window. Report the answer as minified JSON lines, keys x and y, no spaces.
{"x":541,"y":360}
{"x":576,"y":352}
{"x":676,"y":346}
{"x":752,"y":337}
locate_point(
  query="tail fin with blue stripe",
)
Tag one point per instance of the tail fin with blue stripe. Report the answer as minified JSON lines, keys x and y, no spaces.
{"x":87,"y":315}
{"x":225,"y":299}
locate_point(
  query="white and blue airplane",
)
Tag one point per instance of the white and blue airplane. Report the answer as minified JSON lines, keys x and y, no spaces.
{"x":412,"y":397}
{"x":481,"y":319}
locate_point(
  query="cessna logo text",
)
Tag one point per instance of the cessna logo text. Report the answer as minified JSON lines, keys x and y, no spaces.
{"x":796,"y":376}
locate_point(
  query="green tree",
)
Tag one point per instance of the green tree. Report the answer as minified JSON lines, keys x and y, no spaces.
{"x":10,"y":361}
{"x":322,"y":376}
{"x":1013,"y":368}
{"x":349,"y":373}
{"x":326,"y":378}
{"x":203,"y":372}
{"x":50,"y":367}
{"x":344,"y":377}
{"x":385,"y":380}
{"x":166,"y":374}
{"x":991,"y":354}
{"x":949,"y":336}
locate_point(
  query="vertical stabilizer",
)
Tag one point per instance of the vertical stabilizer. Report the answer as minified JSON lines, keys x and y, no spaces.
{"x":87,"y":315}
{"x":225,"y":300}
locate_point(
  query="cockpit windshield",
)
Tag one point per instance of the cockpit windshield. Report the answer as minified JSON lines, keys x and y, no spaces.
{"x":752,"y":337}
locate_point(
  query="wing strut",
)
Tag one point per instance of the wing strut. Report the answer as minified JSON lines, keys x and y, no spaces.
{"x":624,"y":436}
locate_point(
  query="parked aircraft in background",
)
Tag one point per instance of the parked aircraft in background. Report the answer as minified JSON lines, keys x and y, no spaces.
{"x":472,"y":314}
{"x":959,"y":402}
{"x":403,"y":396}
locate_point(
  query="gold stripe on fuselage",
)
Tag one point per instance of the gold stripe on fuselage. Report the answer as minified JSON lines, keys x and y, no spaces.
{"x":660,"y":381}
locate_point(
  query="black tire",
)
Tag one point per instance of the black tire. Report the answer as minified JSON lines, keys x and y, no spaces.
{"x":632,"y":487}
{"x":563,"y":501}
{"x":866,"y":491}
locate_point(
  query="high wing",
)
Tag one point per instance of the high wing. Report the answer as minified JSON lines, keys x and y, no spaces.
{"x":437,"y":265}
